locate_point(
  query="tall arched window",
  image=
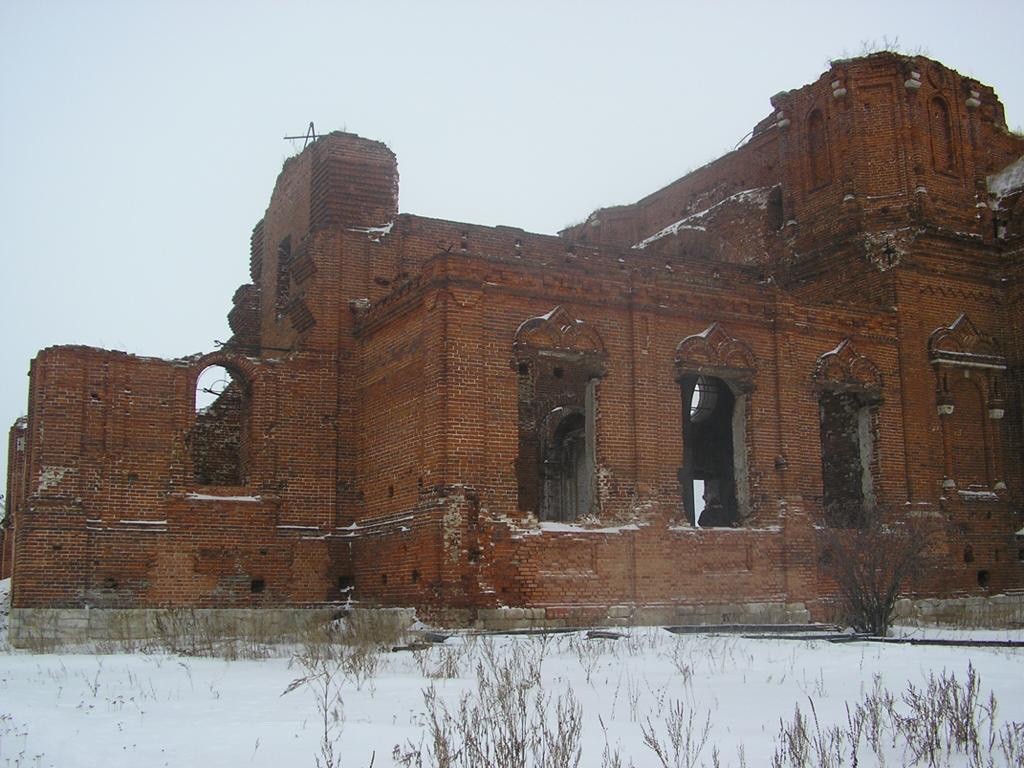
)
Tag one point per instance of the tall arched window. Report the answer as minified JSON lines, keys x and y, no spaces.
{"x":218,"y":439}
{"x":817,"y":143}
{"x":943,"y":158}
{"x":715,"y":373}
{"x":559,"y":361}
{"x":709,"y":451}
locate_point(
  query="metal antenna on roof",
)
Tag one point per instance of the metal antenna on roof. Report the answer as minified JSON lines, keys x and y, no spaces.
{"x":311,"y":135}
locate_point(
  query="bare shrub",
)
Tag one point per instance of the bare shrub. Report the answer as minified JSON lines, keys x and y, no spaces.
{"x":871,"y":565}
{"x":377,"y":628}
{"x":944,"y":722}
{"x":509,"y":721}
{"x":445,"y":664}
{"x":323,"y":677}
{"x":686,"y":738}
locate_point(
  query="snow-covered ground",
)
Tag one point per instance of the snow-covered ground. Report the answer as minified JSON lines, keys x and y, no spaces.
{"x":158,"y":709}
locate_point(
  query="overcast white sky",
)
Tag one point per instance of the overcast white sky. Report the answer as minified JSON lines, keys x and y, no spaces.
{"x":140,"y":141}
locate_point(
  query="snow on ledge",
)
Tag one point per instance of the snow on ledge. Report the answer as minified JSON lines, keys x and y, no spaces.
{"x":724,"y":529}
{"x":143,"y":522}
{"x":978,"y":495}
{"x":547,"y":527}
{"x":212,"y":497}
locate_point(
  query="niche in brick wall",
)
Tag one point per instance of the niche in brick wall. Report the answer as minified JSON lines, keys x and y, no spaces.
{"x":849,"y":391}
{"x":818,"y":153}
{"x":847,"y":441}
{"x":969,"y":370}
{"x":283,"y":280}
{"x":558,"y":362}
{"x":218,"y":439}
{"x":966,"y":428}
{"x":941,"y":129}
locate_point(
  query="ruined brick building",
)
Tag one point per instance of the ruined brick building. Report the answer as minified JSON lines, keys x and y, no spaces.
{"x":492,"y":425}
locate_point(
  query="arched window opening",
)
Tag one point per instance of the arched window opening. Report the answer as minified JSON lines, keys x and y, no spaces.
{"x":217,"y":440}
{"x":817,"y":142}
{"x":568,"y":475}
{"x":559,"y":361}
{"x":846,"y":451}
{"x":943,"y":158}
{"x":712,"y":454}
{"x":703,"y":399}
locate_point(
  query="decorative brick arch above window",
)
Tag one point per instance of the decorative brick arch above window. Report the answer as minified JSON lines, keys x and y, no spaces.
{"x":713,"y":352}
{"x":844,"y":369}
{"x":243,"y":367}
{"x":962,"y":344}
{"x":557,"y":330}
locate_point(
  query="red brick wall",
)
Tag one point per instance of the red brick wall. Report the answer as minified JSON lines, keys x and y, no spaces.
{"x":383,"y":417}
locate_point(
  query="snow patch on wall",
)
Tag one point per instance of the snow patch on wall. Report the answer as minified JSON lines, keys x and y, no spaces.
{"x":757,"y":196}
{"x":374,"y":233}
{"x":51,"y":476}
{"x":1006,"y":182}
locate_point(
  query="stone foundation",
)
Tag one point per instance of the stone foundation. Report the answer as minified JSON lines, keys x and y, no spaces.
{"x":42,"y":628}
{"x":996,"y":612}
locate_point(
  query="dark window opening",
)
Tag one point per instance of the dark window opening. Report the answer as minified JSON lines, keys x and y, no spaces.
{"x":257,"y":585}
{"x":346,"y":583}
{"x":217,"y":440}
{"x":555,"y":468}
{"x":567,"y":476}
{"x":415,"y":576}
{"x":983,"y":579}
{"x":968,"y":554}
{"x":708,"y":476}
{"x":845,"y":428}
